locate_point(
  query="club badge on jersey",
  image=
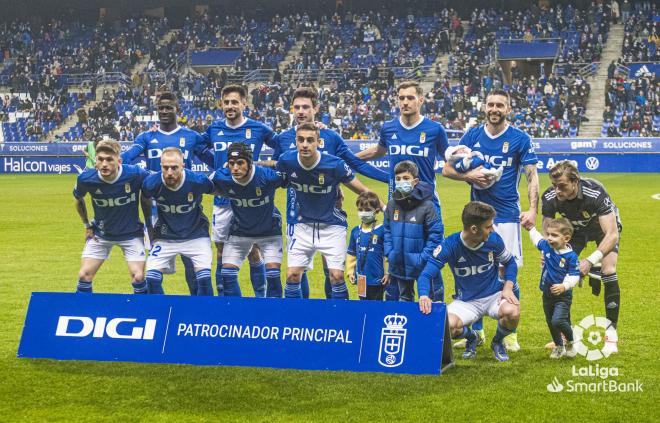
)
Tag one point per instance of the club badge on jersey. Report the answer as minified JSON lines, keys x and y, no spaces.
{"x":127,"y":188}
{"x":505,"y":147}
{"x":422,"y":137}
{"x":248,"y":133}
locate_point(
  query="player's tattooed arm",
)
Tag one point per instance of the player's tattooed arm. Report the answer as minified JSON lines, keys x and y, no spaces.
{"x":528,"y":218}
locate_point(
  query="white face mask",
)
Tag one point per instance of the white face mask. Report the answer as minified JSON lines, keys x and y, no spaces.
{"x":367,"y":216}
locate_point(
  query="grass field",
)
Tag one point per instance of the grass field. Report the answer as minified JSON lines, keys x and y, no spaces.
{"x":40,"y":243}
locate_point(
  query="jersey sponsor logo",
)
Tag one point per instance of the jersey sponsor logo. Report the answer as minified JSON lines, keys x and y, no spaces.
{"x":498,"y":161}
{"x":82,"y":326}
{"x":155,"y":153}
{"x":410,"y":150}
{"x":473,"y":270}
{"x":177,"y":208}
{"x":311,"y":189}
{"x":114,"y":202}
{"x":251,"y":202}
{"x":223,"y":145}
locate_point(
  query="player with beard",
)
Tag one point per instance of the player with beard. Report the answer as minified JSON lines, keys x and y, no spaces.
{"x":502,"y":145}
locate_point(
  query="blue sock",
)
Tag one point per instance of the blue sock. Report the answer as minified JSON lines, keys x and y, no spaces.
{"x":139,"y":287}
{"x":501,"y":333}
{"x":258,"y":279}
{"x":191,"y":279}
{"x":304,"y":285}
{"x":84,"y":287}
{"x":478,"y":325}
{"x":516,"y":292}
{"x":230,"y":282}
{"x":327,"y":285}
{"x":218,"y":278}
{"x":155,"y":282}
{"x":274,"y":282}
{"x":292,"y":290}
{"x":339,"y":291}
{"x":203,"y":278}
{"x":468,"y":334}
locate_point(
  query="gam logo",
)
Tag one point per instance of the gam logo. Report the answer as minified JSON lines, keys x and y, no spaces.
{"x":82,"y":326}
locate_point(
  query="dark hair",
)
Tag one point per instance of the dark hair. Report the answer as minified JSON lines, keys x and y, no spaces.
{"x":368,"y":199}
{"x":476,"y":213}
{"x":565,"y":167}
{"x":240,"y":150}
{"x":407,"y":166}
{"x":235,"y":88}
{"x":168,"y":95}
{"x":306,"y":92}
{"x":409,"y":84}
{"x":563,"y":225}
{"x":308,"y":127}
{"x":500,"y":92}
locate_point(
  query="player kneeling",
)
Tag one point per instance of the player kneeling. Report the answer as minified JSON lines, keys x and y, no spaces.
{"x":114,"y":188}
{"x":181,"y":227}
{"x":473,"y":256}
{"x":255,"y":219}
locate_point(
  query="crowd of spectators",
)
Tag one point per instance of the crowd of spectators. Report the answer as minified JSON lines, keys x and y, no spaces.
{"x":641,"y":41}
{"x":632,"y":107}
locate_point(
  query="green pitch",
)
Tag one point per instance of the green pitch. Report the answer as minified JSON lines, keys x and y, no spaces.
{"x":41,"y":239}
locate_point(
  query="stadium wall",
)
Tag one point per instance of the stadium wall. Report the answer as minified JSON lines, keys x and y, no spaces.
{"x":616,"y":155}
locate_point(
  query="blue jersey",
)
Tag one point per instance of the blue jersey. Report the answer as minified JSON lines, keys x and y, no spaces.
{"x":330,"y":142}
{"x":116,"y":216}
{"x":367,"y":247}
{"x":180,"y":214}
{"x":252,"y":203}
{"x":422,"y":144}
{"x":220,"y":135}
{"x":476,"y":270}
{"x":152,"y":143}
{"x":513,"y":150}
{"x":316,"y":187}
{"x":557,"y":265}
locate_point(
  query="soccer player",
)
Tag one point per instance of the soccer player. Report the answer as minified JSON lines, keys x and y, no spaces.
{"x":594,"y":217}
{"x":151,"y":144}
{"x":410,"y":137}
{"x":114,"y":189}
{"x":220,"y":135}
{"x":255,"y":219}
{"x":502,"y":145}
{"x":181,"y":227}
{"x":320,"y":225}
{"x":305,"y":107}
{"x":473,"y":256}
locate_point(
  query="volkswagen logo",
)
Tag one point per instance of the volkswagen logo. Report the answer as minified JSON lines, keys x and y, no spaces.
{"x":592,"y":163}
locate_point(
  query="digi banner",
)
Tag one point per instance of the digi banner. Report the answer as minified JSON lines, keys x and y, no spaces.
{"x":360,"y":336}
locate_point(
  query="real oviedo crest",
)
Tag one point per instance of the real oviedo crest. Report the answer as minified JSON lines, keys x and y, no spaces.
{"x":392,"y":341}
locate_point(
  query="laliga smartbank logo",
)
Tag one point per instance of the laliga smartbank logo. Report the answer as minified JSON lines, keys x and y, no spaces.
{"x":594,"y":338}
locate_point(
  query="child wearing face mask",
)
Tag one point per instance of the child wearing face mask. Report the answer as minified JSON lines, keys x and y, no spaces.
{"x":365,"y":263}
{"x":413,"y":228}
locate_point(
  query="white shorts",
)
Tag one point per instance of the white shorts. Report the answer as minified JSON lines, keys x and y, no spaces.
{"x":473,"y":310}
{"x":99,"y":248}
{"x":236,"y":249}
{"x":164,"y":251}
{"x":510,"y":233}
{"x":307,"y":239}
{"x":221,"y":222}
{"x":289,"y":235}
